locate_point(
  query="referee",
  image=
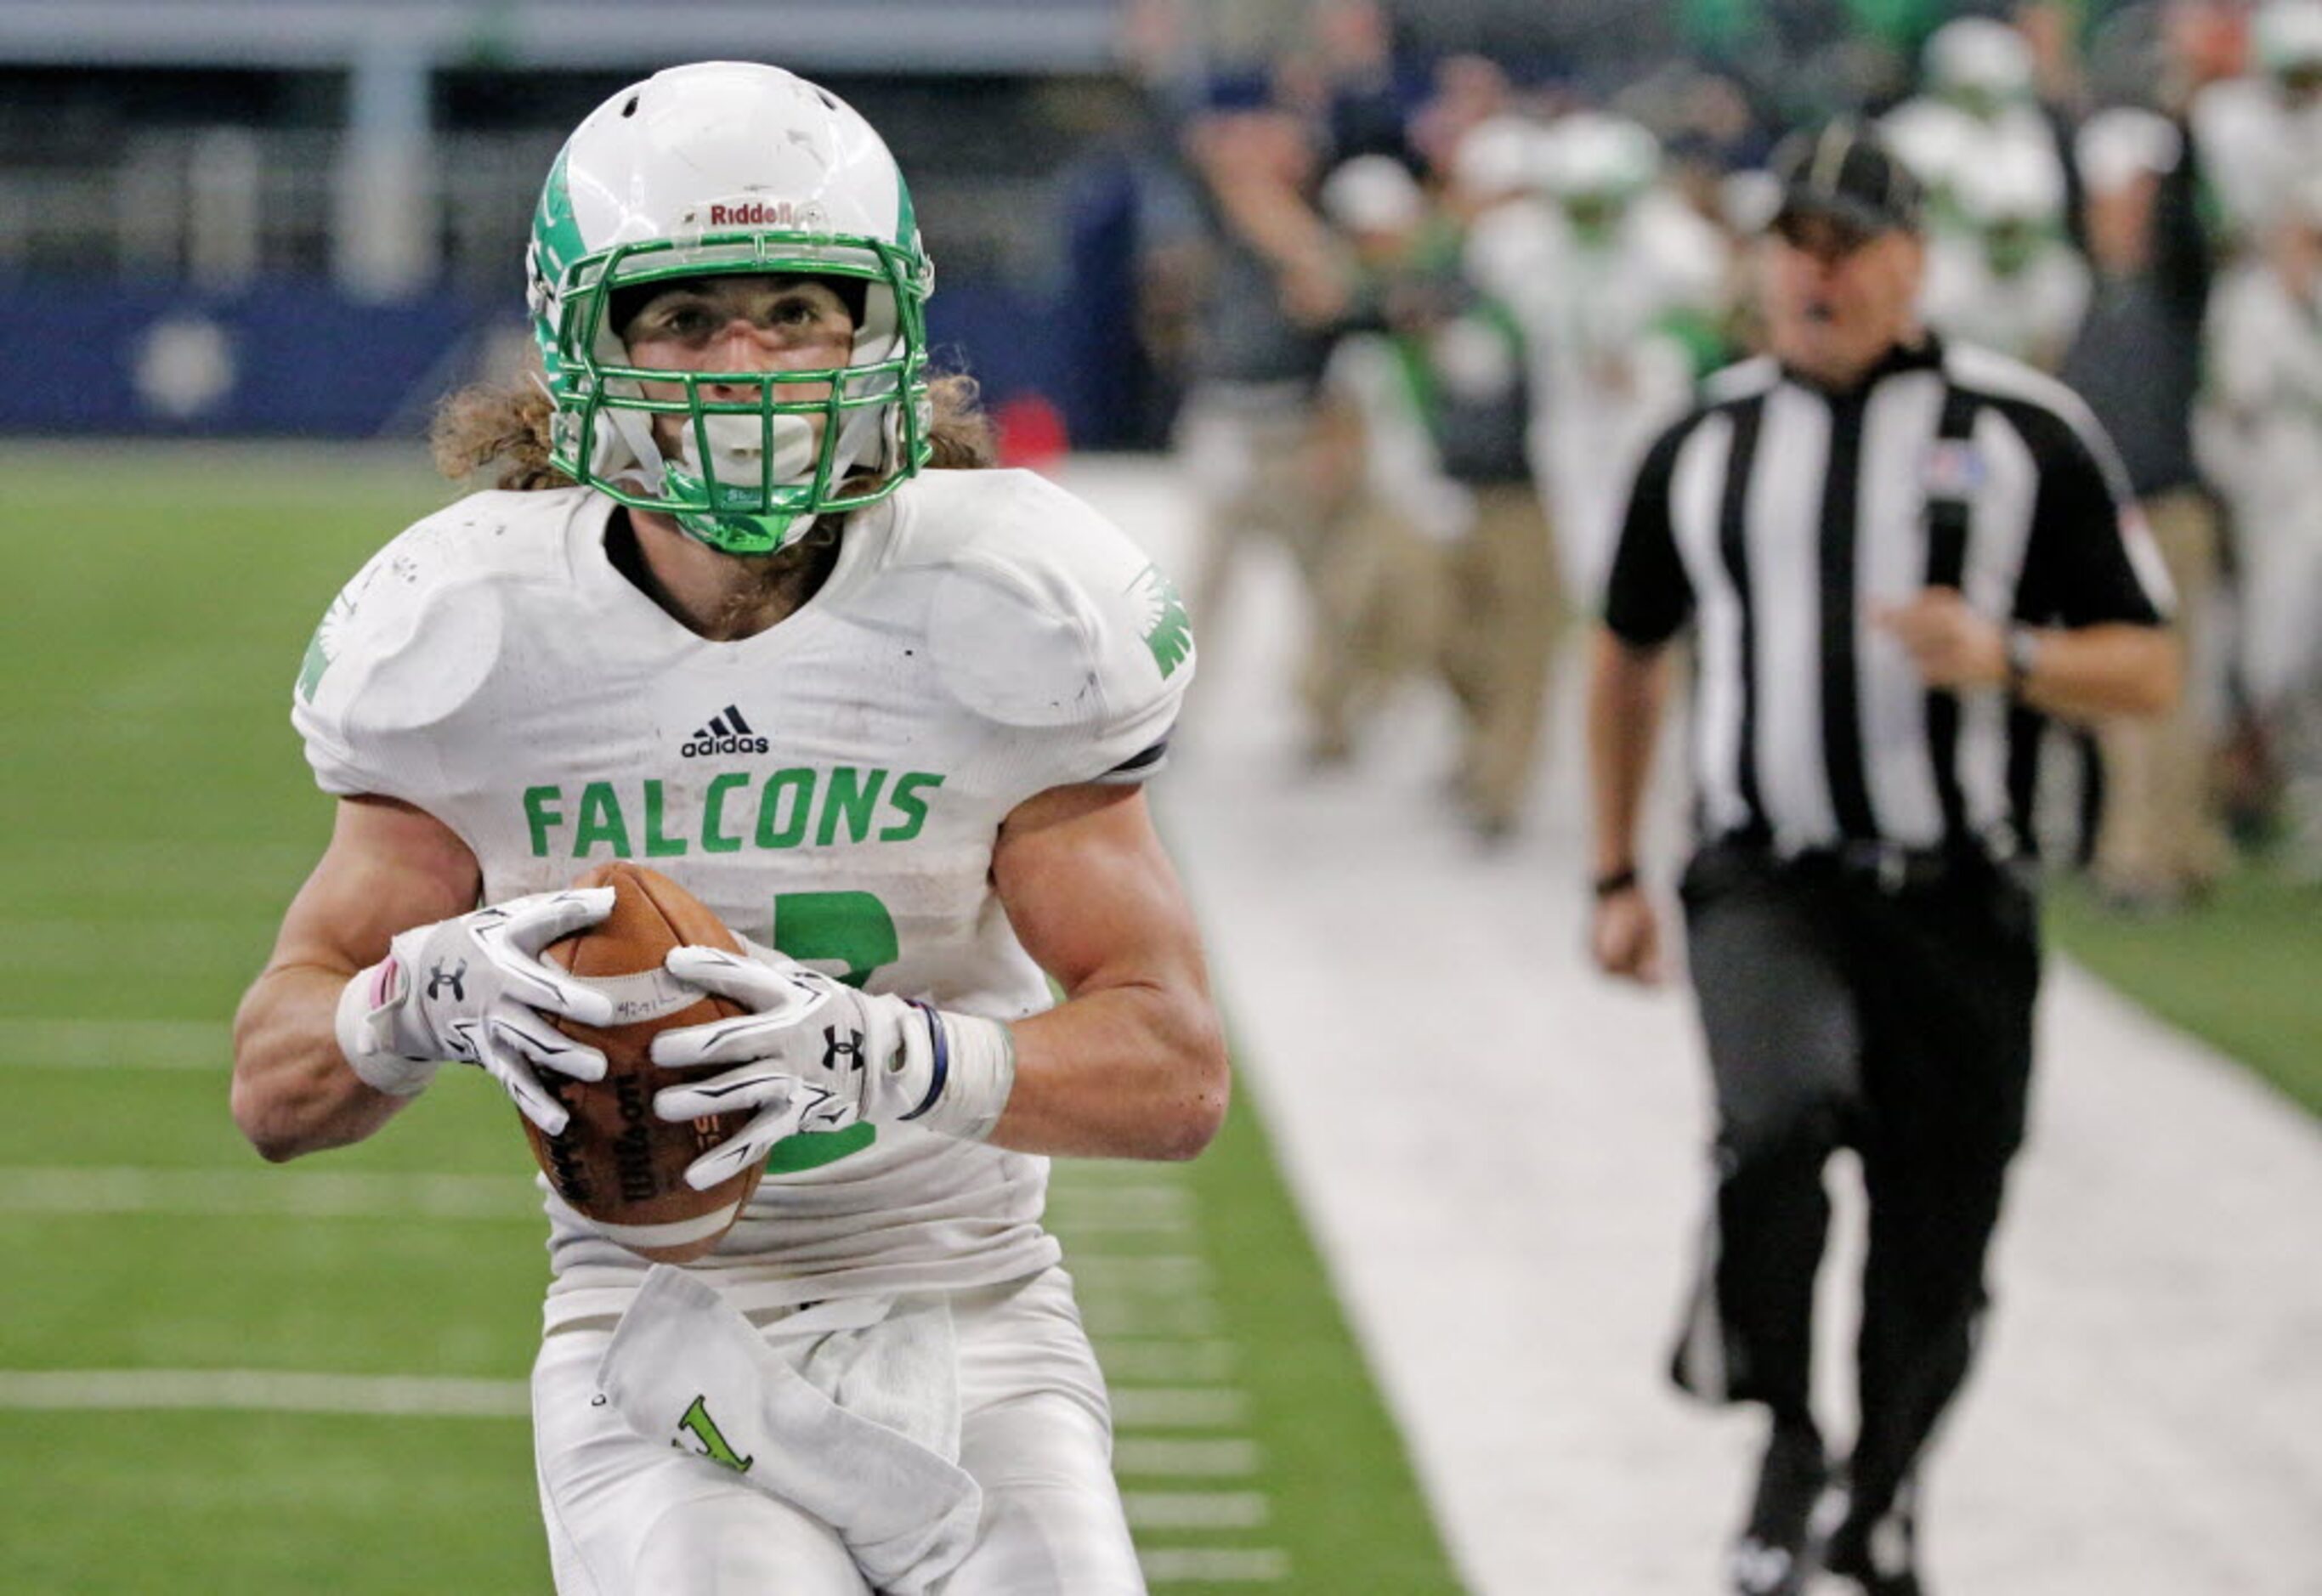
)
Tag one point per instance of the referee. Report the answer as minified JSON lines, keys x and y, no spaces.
{"x":1894,"y":555}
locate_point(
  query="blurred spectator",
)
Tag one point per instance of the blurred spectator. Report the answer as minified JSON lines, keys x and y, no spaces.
{"x":2136,"y":360}
{"x":1389,"y":511}
{"x":2266,"y":367}
{"x":1504,"y":612}
{"x":1272,"y":285}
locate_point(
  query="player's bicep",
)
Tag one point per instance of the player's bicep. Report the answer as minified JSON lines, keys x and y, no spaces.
{"x":388,"y":867}
{"x":1092,"y":895}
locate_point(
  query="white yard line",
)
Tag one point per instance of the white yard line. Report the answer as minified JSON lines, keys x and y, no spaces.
{"x":1128,"y":1358}
{"x":1213,"y":1565}
{"x":1179,"y":1407}
{"x":263,"y":1194}
{"x":116,"y":1044}
{"x":1197,"y":1509}
{"x":262,"y":1390}
{"x":1501,"y":1158}
{"x":1232,"y":1458}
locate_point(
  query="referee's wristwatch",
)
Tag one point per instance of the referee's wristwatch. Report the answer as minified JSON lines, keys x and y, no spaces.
{"x":1614,"y":882}
{"x":2023,"y":657}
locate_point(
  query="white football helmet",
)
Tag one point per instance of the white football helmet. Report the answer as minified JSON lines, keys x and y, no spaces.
{"x":1595,"y":165}
{"x":1981,"y":65}
{"x":720,"y":167}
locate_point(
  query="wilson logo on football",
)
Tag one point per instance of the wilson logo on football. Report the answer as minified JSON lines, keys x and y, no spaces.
{"x":726,"y":733}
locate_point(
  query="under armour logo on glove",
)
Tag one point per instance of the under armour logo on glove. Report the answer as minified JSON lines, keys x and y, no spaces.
{"x":812,"y":1054}
{"x":836,"y":1047}
{"x":486,"y":1001}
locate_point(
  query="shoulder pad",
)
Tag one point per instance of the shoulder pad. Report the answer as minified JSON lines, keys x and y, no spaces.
{"x":408,"y":641}
{"x":1045,"y":614}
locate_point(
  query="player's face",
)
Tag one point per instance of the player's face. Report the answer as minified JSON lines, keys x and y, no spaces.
{"x":744,"y":323}
{"x":1836,"y":299}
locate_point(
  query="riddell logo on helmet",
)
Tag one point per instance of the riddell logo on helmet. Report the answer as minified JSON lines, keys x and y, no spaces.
{"x":754,"y":213}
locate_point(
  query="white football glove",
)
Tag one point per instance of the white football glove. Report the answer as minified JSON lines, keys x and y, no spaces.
{"x":475,"y":988}
{"x":814,"y":1054}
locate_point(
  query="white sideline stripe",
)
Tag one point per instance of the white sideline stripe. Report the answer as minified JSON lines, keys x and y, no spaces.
{"x":1179,"y":1407}
{"x":115,"y":1044}
{"x":1144,"y":1454}
{"x":267,"y":1391}
{"x":1196,"y":1510}
{"x":1213,"y":1565}
{"x":264,"y":1193}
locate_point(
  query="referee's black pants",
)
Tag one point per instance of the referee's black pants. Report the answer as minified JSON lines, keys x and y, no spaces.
{"x":1888,"y":1009}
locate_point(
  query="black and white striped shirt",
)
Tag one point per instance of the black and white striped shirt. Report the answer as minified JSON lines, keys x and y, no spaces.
{"x":1777,"y":515}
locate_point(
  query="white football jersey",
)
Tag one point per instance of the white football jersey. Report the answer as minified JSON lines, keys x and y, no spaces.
{"x":832,"y":787}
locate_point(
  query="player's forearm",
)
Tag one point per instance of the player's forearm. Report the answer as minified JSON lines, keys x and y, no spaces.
{"x":293,"y":1091}
{"x":1132,"y":1071}
{"x":1625,"y":689}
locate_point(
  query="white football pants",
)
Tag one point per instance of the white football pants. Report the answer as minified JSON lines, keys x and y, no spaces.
{"x":628,"y":1516}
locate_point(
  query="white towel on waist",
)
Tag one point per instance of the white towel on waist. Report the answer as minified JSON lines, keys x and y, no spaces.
{"x":849,"y":1409}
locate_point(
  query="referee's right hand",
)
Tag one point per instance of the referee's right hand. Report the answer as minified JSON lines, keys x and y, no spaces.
{"x":1625,"y":936}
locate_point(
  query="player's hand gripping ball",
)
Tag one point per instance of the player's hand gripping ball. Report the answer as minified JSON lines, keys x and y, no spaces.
{"x":616,"y":1161}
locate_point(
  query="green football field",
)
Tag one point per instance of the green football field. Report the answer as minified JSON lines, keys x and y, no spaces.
{"x":219,"y":1376}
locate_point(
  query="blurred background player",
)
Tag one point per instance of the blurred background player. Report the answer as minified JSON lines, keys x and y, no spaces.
{"x":1620,"y":292}
{"x":1980,"y":95}
{"x":2265,"y":371}
{"x":2005,"y":274}
{"x":2261,"y":129}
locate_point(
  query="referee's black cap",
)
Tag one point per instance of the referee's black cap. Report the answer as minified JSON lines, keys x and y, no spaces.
{"x":1842,"y":170}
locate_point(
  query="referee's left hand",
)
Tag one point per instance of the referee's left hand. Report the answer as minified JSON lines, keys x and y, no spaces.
{"x":1624,"y":936}
{"x":1951,"y":645}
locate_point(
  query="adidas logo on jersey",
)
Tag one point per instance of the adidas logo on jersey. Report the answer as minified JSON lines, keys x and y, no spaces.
{"x":726,"y":733}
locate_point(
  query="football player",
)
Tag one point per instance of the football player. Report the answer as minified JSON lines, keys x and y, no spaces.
{"x":891,"y":722}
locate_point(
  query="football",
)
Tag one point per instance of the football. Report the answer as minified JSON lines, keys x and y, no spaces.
{"x":616,"y":1161}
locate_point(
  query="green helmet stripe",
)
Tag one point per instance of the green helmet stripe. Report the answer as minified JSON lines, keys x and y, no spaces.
{"x":555,"y":228}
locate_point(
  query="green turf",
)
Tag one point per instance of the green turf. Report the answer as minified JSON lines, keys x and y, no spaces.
{"x":1336,"y":1467}
{"x":165,"y":598}
{"x":2238,"y":970}
{"x":114,"y":1503}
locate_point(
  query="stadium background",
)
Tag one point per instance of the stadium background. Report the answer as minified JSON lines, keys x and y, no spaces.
{"x":244,"y":247}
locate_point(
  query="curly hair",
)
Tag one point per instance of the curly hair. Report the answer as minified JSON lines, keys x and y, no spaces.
{"x":504,"y":426}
